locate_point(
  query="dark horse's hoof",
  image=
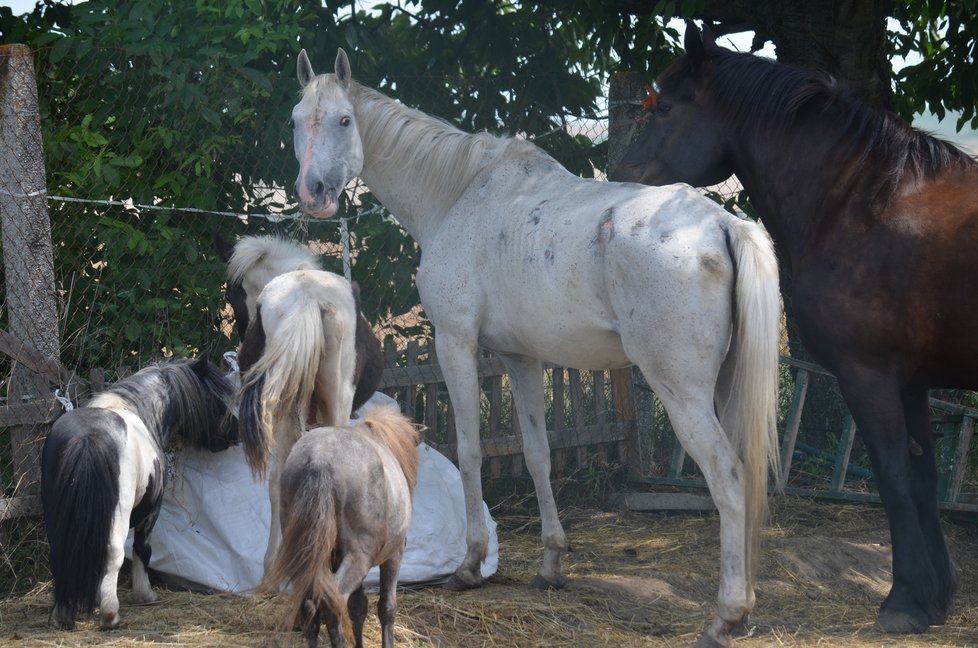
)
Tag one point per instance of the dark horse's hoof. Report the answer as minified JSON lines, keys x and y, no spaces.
{"x":896,"y":622}
{"x":541,"y":583}
{"x":456,"y":584}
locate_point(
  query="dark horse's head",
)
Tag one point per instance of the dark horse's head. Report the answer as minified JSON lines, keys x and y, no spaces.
{"x":682,"y":139}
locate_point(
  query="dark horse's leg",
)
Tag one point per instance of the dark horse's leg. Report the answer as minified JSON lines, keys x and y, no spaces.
{"x":923,"y":578}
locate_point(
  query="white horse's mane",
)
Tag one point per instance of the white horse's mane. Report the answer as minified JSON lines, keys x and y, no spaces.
{"x":440,"y":154}
{"x":275,"y":253}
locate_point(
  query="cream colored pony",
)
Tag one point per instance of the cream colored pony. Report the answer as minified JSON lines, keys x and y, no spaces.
{"x":521,"y":257}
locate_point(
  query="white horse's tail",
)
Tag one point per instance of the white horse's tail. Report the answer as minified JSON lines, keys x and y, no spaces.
{"x":750,"y":411}
{"x":294,"y":376}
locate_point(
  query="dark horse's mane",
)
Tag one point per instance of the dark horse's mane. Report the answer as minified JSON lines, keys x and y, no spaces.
{"x":754,"y":91}
{"x":169,"y":398}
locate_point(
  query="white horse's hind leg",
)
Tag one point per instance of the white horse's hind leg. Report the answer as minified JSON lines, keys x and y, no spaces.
{"x":699,"y":431}
{"x":459,"y":364}
{"x":526,"y":375}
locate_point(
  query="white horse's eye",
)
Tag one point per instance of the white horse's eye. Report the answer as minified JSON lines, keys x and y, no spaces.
{"x":291,"y":123}
{"x":344,"y":121}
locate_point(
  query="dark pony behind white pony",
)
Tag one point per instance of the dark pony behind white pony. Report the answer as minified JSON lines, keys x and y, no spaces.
{"x":103,"y":471}
{"x":346,"y":506}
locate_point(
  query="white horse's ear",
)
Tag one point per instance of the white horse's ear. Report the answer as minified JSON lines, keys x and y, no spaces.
{"x":693,"y":44}
{"x":303,"y":69}
{"x":343,"y":74}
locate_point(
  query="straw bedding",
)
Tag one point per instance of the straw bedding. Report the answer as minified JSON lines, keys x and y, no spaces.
{"x":634,"y":580}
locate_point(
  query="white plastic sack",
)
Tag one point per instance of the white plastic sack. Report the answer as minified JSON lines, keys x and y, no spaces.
{"x":213,"y":524}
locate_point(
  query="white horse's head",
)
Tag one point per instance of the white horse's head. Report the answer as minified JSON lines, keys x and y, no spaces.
{"x":327,"y":142}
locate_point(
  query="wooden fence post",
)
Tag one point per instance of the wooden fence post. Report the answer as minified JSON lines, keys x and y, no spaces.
{"x":626,"y":90}
{"x":28,"y":258}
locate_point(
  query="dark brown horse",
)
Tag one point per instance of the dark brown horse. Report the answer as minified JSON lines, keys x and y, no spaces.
{"x":878,"y":226}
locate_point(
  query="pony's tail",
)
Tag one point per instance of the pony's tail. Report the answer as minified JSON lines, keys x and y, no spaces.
{"x":305,"y":555}
{"x":754,"y":385}
{"x":278,"y":388}
{"x":80,"y":495}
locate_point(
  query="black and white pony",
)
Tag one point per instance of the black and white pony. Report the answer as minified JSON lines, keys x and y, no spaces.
{"x":103,"y":472}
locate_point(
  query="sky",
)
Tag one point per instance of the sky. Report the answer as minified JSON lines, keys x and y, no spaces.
{"x":967,"y":138}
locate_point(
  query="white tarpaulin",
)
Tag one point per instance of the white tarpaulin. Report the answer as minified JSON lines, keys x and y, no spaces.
{"x":213,"y":524}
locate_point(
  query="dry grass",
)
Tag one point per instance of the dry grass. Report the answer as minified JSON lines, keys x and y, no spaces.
{"x":635,"y":580}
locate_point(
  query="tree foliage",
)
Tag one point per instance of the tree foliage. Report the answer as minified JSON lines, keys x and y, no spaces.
{"x":185,"y":104}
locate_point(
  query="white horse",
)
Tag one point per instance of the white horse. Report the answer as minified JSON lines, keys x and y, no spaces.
{"x":522,"y":257}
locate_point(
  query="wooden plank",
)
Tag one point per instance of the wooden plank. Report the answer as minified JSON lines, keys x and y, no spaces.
{"x":557,"y":387}
{"x":32,"y":359}
{"x":667,"y":502}
{"x":575,"y":389}
{"x":36,"y":413}
{"x":600,"y":399}
{"x":409,"y":404}
{"x":22,"y":506}
{"x":792,"y":424}
{"x":842,"y":455}
{"x":425,"y":374}
{"x":961,"y":457}
{"x":559,"y":440}
{"x":677,"y":460}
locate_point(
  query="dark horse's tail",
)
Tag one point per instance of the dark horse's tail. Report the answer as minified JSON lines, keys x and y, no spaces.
{"x":309,"y":542}
{"x":80,"y":494}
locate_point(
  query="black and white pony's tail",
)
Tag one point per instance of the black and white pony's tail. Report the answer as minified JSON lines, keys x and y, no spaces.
{"x":80,"y":494}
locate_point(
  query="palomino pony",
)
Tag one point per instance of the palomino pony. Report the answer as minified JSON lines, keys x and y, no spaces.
{"x":878,"y":223}
{"x":521,"y":257}
{"x":103,"y":472}
{"x":308,"y":354}
{"x":346,"y":506}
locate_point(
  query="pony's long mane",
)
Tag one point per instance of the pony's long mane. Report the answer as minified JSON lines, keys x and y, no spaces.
{"x":442,"y":155}
{"x":273,"y":255}
{"x":754,"y":93}
{"x":399,"y":435}
{"x":171,"y":398}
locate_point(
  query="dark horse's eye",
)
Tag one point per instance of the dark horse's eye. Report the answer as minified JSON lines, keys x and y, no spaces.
{"x":662,"y":108}
{"x":344,"y":121}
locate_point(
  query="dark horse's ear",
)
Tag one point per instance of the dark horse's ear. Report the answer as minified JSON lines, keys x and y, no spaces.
{"x":303,"y":69}
{"x":693,"y":44}
{"x":342,"y":68}
{"x":224,"y":249}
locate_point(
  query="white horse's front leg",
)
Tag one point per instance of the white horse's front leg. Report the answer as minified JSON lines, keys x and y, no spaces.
{"x":526,"y":375}
{"x":459,"y":363}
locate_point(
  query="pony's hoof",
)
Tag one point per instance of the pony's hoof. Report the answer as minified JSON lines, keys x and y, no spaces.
{"x":543,"y":583}
{"x":109,"y":622}
{"x":62,"y":624}
{"x":456,"y":583}
{"x":897,"y":622}
{"x":706,"y":641}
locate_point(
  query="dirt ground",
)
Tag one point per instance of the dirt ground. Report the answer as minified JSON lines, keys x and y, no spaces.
{"x":634,"y":580}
